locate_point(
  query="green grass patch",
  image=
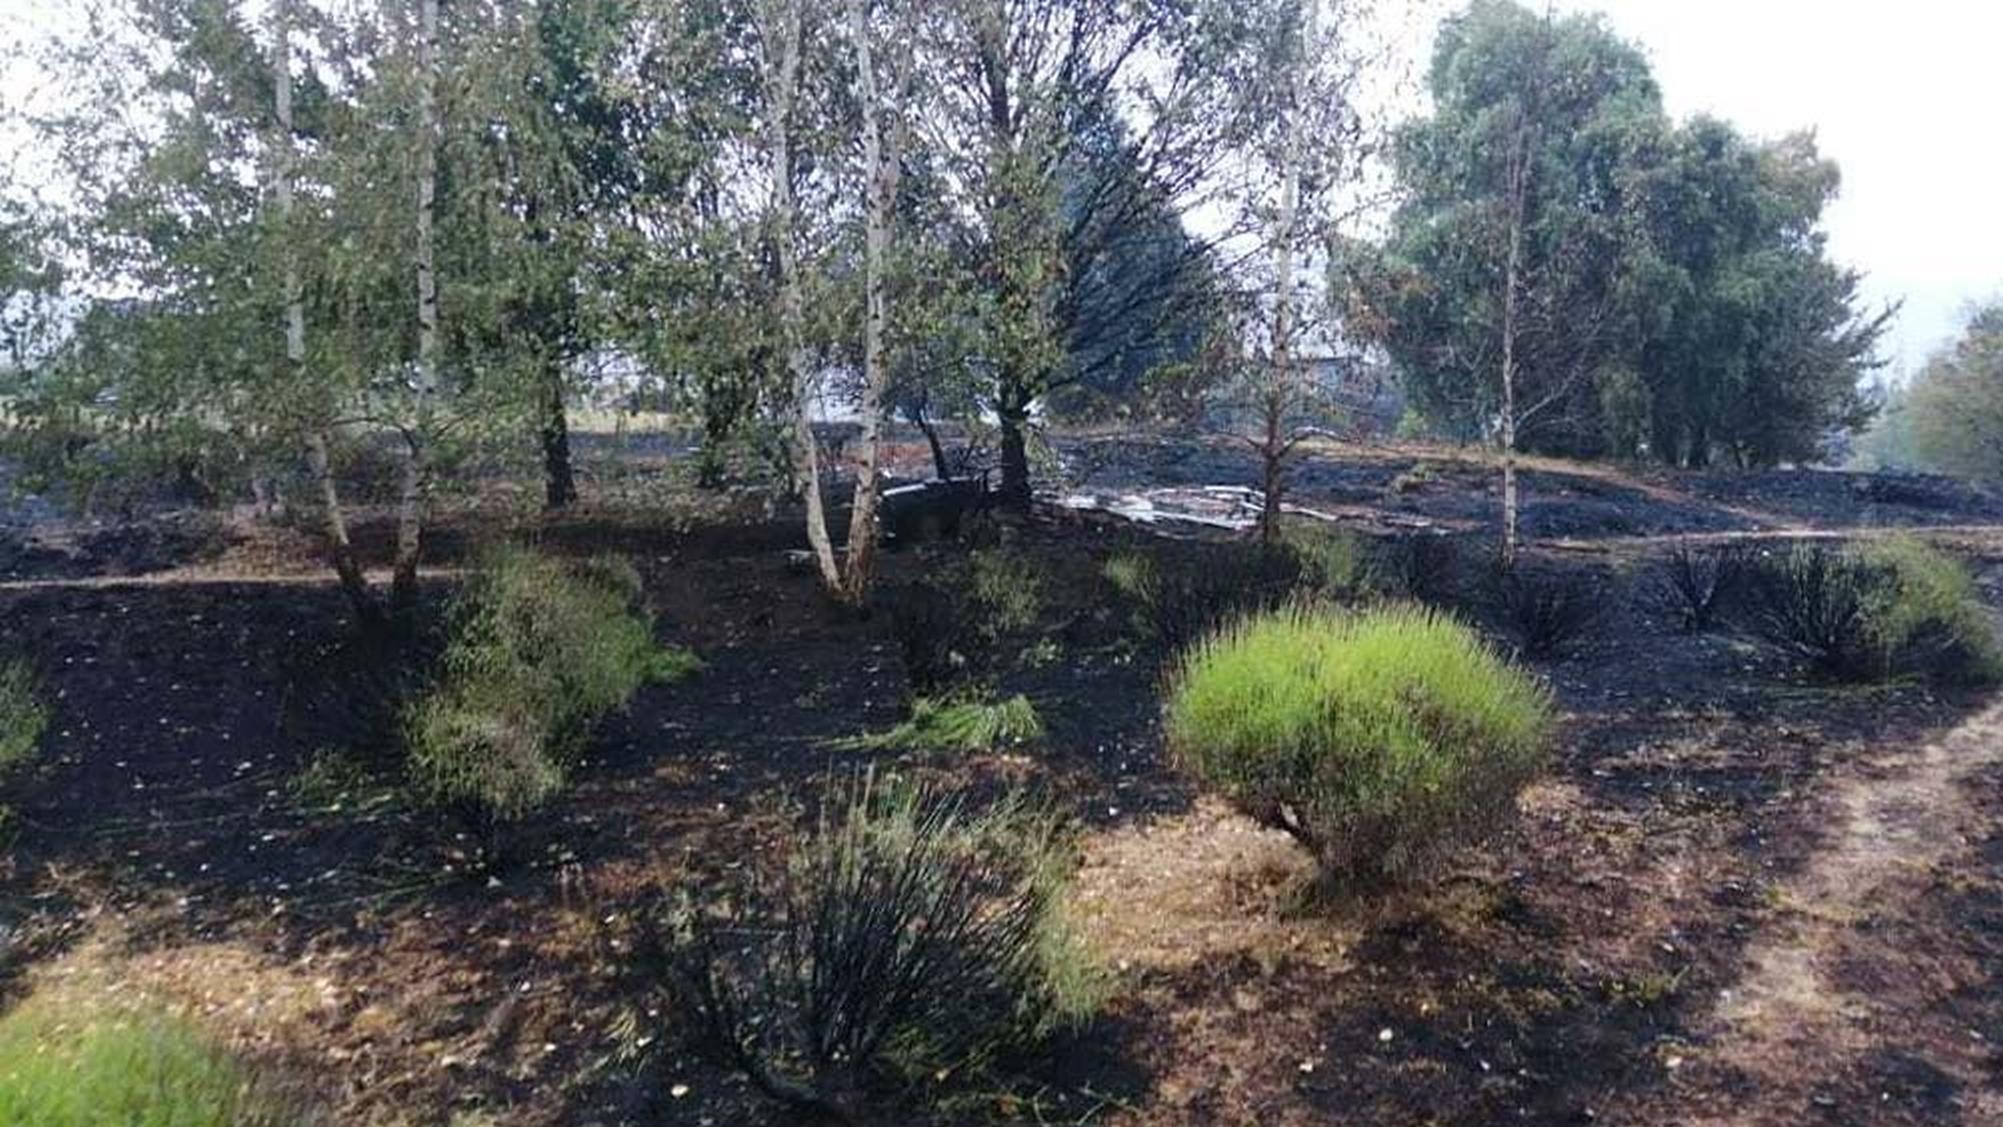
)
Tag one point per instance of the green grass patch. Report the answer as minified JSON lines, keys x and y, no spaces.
{"x":65,"y":1066}
{"x":965,"y":724}
{"x":1379,"y":739}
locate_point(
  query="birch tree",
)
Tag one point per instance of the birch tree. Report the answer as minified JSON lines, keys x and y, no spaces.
{"x":319,"y":462}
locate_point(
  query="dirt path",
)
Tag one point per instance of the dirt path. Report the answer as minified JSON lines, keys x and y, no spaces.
{"x":1827,"y":989}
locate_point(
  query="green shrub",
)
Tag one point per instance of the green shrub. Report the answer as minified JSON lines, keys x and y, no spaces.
{"x":1890,"y":608}
{"x":23,"y":715}
{"x":1132,"y":575}
{"x":1926,"y":615}
{"x":62,"y":1066}
{"x":1006,"y":586}
{"x":966,"y":723}
{"x":1378,"y":739}
{"x":910,"y":939}
{"x":539,"y":651}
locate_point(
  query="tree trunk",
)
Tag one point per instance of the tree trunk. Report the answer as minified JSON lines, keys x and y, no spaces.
{"x":941,"y":468}
{"x":880,"y":165}
{"x":781,"y":85}
{"x":1014,"y":423}
{"x":340,"y":548}
{"x":412,"y":481}
{"x":1511,"y":280}
{"x":559,"y":479}
{"x":1280,"y":389}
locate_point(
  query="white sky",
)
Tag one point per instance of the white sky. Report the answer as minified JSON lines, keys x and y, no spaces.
{"x":1905,"y":97}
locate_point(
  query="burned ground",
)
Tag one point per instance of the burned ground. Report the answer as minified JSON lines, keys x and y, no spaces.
{"x":192,"y":832}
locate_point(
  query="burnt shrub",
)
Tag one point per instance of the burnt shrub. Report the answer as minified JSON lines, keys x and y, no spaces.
{"x":1698,"y":584}
{"x":1814,"y":601}
{"x":908,"y":938}
{"x":1379,"y":739}
{"x":1420,"y":565}
{"x":23,"y":714}
{"x":933,"y":637}
{"x":1547,"y":610}
{"x":1222,"y":583}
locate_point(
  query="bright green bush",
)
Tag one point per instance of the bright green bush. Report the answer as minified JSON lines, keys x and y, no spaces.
{"x":23,"y":715}
{"x":1378,"y":739}
{"x":966,"y":723}
{"x":61,"y":1066}
{"x":539,"y":651}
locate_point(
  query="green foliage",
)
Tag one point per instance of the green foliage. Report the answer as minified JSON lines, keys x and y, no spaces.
{"x":1133,"y":575}
{"x":1955,"y":405}
{"x":1894,"y":607}
{"x":23,"y":714}
{"x":540,"y":650}
{"x":1379,"y":739}
{"x":912,"y":939}
{"x":62,"y":1065}
{"x":1927,"y":616}
{"x":967,"y":723}
{"x":1006,"y":585}
{"x":1676,"y":285}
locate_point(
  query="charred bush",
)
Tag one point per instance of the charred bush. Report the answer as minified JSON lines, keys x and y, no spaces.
{"x":907,"y":938}
{"x":1815,"y":601}
{"x":1225,"y":582}
{"x":931,"y":631}
{"x":1547,"y":610}
{"x":1421,"y":566}
{"x":1698,"y":584}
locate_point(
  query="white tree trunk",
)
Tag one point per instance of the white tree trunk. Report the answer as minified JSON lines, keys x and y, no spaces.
{"x":411,"y":486}
{"x":1518,"y":188}
{"x":340,"y":547}
{"x":1280,"y":388}
{"x":781,"y":19}
{"x":881,"y":169}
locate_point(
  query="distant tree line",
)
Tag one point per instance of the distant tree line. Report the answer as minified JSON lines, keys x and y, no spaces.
{"x":305,"y":251}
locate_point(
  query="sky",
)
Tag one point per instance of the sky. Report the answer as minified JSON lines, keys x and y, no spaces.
{"x":1905,"y":97}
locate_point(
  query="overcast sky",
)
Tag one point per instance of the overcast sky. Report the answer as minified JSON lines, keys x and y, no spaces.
{"x":1905,"y":97}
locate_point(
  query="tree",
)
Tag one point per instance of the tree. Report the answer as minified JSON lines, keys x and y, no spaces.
{"x":341,"y":548}
{"x":1681,"y":257}
{"x":1753,"y":342}
{"x":1017,"y":83}
{"x":1301,"y":139}
{"x":1955,"y":404}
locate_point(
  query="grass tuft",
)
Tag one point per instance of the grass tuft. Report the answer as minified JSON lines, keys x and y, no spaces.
{"x":964,"y":724}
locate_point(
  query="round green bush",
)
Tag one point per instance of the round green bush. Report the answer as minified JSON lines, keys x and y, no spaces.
{"x":1378,"y":739}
